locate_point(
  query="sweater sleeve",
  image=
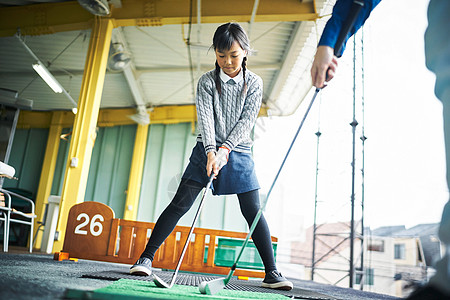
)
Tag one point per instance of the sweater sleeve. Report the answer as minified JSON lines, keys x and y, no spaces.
{"x":205,"y":112}
{"x":249,"y":114}
{"x":335,"y":23}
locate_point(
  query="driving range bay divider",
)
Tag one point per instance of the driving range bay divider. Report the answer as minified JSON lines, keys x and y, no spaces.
{"x":93,"y":233}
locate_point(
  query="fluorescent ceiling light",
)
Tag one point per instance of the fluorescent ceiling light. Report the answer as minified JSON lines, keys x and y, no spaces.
{"x":48,"y":77}
{"x":44,"y":73}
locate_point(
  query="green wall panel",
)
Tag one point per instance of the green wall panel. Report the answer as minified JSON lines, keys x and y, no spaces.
{"x":164,"y":163}
{"x":27,"y":156}
{"x":110,"y":167}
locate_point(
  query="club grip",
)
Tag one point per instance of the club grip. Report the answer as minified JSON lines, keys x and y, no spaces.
{"x":348,"y":24}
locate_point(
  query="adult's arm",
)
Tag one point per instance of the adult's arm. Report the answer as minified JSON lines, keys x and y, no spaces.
{"x":338,"y":17}
{"x":325,"y":60}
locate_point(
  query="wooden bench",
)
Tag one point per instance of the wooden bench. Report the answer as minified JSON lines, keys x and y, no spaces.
{"x":93,"y":233}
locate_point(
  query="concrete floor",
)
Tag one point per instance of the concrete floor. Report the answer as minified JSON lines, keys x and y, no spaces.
{"x":38,"y":276}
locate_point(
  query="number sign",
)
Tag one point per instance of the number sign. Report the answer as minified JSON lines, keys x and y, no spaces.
{"x":88,"y":229}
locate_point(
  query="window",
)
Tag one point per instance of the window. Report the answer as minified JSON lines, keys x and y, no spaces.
{"x":375,"y":245}
{"x":368,"y":277}
{"x":399,"y":251}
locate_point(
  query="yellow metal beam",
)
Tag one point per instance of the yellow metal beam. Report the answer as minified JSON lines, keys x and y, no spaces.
{"x":34,"y":119}
{"x":173,"y":114}
{"x":157,"y":13}
{"x":158,"y":115}
{"x":67,"y":16}
{"x":44,"y":18}
{"x":135,"y":178}
{"x":48,"y":167}
{"x":84,"y":128}
{"x":114,"y":117}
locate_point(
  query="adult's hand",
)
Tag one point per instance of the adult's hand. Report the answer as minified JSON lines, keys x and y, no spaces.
{"x":324,"y":66}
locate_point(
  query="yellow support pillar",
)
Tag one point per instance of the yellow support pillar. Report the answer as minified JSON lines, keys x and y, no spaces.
{"x":84,"y":128}
{"x":135,"y":179}
{"x":48,"y":167}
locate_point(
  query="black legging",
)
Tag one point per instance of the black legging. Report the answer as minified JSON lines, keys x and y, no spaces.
{"x":184,"y":198}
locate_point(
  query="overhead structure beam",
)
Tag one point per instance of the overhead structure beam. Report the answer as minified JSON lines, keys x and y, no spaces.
{"x":140,"y":71}
{"x":115,"y":117}
{"x":68,"y":16}
{"x":45,"y":18}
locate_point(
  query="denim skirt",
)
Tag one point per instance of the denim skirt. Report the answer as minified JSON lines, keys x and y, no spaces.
{"x":236,"y":177}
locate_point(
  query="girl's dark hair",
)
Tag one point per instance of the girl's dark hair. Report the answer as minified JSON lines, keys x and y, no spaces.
{"x":223,"y":38}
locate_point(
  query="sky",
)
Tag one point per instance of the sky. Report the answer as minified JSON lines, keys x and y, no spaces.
{"x":404,"y":161}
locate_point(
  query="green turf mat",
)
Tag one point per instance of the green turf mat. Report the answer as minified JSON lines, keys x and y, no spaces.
{"x":136,"y":289}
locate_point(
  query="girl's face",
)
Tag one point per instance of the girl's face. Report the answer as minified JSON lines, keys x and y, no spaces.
{"x":230,"y":61}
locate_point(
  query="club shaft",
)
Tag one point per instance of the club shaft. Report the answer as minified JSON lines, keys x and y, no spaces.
{"x":186,"y":244}
{"x":263,"y":206}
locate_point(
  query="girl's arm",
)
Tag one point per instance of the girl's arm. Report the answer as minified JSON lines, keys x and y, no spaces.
{"x":248,"y":116}
{"x":205,"y":113}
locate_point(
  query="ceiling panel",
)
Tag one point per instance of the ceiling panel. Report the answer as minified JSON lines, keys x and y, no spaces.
{"x":160,"y":62}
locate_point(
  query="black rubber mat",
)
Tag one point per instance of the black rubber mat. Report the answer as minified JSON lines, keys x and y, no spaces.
{"x":196,"y":279}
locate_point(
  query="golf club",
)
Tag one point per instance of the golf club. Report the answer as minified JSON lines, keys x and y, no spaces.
{"x":158,"y":281}
{"x":214,"y":286}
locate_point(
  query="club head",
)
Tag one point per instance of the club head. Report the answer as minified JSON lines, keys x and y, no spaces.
{"x":212,"y":287}
{"x":160,"y":283}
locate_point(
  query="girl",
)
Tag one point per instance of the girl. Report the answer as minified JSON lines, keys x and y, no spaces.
{"x":228,"y":102}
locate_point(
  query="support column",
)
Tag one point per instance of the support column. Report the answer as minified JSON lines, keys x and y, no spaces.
{"x":48,"y":167}
{"x":84,"y":129}
{"x":135,"y":179}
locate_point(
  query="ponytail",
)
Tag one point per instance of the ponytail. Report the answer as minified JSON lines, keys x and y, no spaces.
{"x":244,"y":68}
{"x":217,"y":78}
